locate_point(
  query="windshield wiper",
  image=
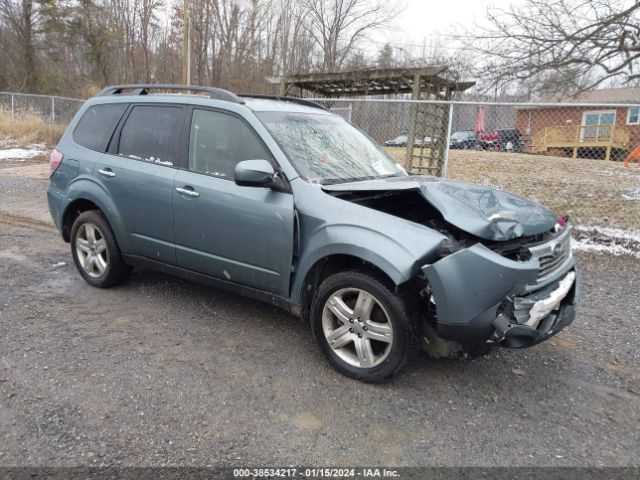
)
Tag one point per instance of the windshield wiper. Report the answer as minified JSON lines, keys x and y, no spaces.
{"x":391,"y":175}
{"x":335,"y":181}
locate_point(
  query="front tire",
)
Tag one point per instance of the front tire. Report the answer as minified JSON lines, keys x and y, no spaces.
{"x":364,"y":329}
{"x":95,"y":251}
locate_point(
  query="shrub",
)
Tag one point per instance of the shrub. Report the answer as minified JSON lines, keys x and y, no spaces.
{"x":28,"y":128}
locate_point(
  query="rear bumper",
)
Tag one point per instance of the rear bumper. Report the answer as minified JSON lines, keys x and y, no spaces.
{"x":56,"y":205}
{"x":482,"y":297}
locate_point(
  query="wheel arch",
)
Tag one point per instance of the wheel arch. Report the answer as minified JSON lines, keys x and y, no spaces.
{"x":87,"y":195}
{"x":73,"y":211}
{"x":326,"y":266}
{"x":397,"y":256}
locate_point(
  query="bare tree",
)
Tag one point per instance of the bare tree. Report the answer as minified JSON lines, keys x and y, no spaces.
{"x":571,"y":45}
{"x":148,"y":18}
{"x":338,"y":25}
{"x":88,"y":23}
{"x":290,"y":47}
{"x":70,"y":47}
{"x":21,"y":17}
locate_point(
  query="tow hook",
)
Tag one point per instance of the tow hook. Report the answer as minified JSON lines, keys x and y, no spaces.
{"x":502,"y":324}
{"x":512,"y":335}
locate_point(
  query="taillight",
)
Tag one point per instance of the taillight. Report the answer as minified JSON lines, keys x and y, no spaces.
{"x":54,"y":160}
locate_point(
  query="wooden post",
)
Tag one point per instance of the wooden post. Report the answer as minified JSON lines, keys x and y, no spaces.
{"x":608,"y":155}
{"x":576,"y":139}
{"x":415,"y":95}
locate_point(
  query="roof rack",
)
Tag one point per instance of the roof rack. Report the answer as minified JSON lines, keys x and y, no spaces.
{"x":143,"y":89}
{"x":300,"y":101}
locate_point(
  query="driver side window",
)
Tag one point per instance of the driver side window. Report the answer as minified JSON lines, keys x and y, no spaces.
{"x":219,"y":141}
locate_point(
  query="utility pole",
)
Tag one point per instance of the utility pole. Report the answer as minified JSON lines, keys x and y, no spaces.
{"x":186,"y":44}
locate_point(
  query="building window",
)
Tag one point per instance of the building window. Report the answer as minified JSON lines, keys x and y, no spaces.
{"x":633,"y":117}
{"x":597,"y":125}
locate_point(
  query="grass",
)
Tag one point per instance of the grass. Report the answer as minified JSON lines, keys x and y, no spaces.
{"x":589,"y":191}
{"x":27,"y":128}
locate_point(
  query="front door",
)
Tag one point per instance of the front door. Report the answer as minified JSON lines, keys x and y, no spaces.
{"x":138,"y":171}
{"x":238,"y":234}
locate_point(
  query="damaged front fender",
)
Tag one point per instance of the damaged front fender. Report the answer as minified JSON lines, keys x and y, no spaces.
{"x":473,"y":282}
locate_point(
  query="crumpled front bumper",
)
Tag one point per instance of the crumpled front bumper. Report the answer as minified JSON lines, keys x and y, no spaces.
{"x":483,"y":297}
{"x":508,"y":333}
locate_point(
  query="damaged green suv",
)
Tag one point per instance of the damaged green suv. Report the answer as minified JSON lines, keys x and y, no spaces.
{"x":282,"y":201}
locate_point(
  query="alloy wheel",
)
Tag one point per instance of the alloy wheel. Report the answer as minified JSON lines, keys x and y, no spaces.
{"x":91,"y":249}
{"x":357,"y":328}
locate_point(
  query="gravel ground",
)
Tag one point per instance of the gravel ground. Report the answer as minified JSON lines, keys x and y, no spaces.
{"x":161,"y":371}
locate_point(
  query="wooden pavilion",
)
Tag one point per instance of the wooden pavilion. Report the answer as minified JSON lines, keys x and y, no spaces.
{"x":432,"y":82}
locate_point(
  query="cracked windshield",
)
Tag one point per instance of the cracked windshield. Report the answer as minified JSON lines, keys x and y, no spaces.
{"x":327,"y":149}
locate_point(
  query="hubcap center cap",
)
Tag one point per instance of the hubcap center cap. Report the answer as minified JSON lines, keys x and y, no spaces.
{"x":357,"y":327}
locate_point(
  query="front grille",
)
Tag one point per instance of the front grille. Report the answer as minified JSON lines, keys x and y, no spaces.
{"x":552,"y":255}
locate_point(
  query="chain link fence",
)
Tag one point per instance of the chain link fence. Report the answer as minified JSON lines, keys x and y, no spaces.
{"x":53,"y":109}
{"x":579,"y":159}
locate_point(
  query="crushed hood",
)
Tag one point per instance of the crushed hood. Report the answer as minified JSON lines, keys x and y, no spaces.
{"x":482,"y":211}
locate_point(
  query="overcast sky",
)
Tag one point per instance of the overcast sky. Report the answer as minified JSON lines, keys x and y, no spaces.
{"x":433,"y":19}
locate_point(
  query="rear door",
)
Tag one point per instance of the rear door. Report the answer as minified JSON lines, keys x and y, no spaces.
{"x":239,"y":234}
{"x":138,"y":171}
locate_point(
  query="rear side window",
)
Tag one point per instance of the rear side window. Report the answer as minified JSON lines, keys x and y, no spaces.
{"x":96,"y":126}
{"x":152,"y":134}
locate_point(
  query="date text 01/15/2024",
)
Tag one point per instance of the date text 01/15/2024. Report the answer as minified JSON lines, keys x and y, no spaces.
{"x":314,"y":473}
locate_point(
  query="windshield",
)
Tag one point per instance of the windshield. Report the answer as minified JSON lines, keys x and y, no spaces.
{"x":327,"y":149}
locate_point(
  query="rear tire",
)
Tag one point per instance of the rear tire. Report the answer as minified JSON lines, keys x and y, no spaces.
{"x":95,"y":251}
{"x":365,"y":330}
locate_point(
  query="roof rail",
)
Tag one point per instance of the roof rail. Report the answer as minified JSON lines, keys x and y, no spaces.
{"x":143,"y":89}
{"x":300,"y":101}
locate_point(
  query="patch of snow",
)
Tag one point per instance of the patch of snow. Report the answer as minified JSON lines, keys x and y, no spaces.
{"x":631,"y":194}
{"x":614,"y":233}
{"x":21,"y":153}
{"x":613,"y":241}
{"x":594,"y":247}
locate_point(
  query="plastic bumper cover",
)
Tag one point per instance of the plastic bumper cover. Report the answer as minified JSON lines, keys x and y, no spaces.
{"x":481,"y":297}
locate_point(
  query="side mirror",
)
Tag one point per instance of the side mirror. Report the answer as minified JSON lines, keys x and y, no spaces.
{"x":254,"y":173}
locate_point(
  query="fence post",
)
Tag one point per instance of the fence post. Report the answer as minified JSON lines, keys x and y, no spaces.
{"x":53,"y":110}
{"x":445,"y":166}
{"x":12,"y":106}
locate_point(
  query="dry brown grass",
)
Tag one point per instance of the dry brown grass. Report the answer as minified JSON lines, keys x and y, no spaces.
{"x":29,"y":128}
{"x":589,"y":191}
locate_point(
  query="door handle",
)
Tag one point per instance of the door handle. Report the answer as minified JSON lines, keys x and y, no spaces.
{"x":188,"y":191}
{"x":106,"y":172}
